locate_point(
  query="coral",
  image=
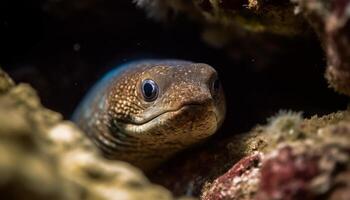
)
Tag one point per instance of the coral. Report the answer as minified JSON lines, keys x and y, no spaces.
{"x":285,"y":123}
{"x":252,"y":15}
{"x":5,"y":82}
{"x":183,"y":175}
{"x":239,"y":181}
{"x":330,"y":20}
{"x":286,"y":175}
{"x":307,"y":167}
{"x":256,"y":29}
{"x":43,"y":157}
{"x":253,"y":21}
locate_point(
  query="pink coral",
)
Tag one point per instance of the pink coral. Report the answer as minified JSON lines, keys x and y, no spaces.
{"x":286,"y":175}
{"x":231,"y":184}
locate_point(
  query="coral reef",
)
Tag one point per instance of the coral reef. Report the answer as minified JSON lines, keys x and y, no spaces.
{"x":5,"y":82}
{"x":331,"y":22}
{"x":244,"y":28}
{"x":240,"y":181}
{"x":183,"y":176}
{"x":252,"y":15}
{"x":306,"y":159}
{"x":253,"y":21}
{"x":43,"y":157}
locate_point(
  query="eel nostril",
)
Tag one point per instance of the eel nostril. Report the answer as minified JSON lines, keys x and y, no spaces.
{"x":215,"y":86}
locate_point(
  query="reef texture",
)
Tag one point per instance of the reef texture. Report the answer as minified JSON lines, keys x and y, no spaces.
{"x":303,"y":159}
{"x":43,"y":157}
{"x":227,"y":22}
{"x":243,"y":28}
{"x":274,"y":16}
{"x":288,"y":158}
{"x":330,"y":19}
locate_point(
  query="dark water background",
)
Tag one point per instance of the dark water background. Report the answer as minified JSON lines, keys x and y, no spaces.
{"x":62,"y":47}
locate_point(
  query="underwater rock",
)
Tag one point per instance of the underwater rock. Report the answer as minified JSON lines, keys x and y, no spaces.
{"x":5,"y":82}
{"x":331,"y":21}
{"x":240,"y":181}
{"x":253,"y":29}
{"x":313,"y":165}
{"x":252,"y":15}
{"x":182,"y":175}
{"x":43,"y":157}
{"x":261,"y":23}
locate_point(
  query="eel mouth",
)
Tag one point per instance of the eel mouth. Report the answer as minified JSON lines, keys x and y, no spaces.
{"x":163,"y":117}
{"x":168,"y":113}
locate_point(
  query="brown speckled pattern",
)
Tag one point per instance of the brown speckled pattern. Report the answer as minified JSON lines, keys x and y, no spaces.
{"x":126,"y":127}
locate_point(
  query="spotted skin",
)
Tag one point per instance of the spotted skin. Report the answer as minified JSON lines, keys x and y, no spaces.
{"x":125,"y":126}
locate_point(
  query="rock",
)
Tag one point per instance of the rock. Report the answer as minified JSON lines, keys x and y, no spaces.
{"x":5,"y":81}
{"x":240,"y":181}
{"x":249,"y":29}
{"x":184,"y":175}
{"x":260,"y":23}
{"x":331,"y":21}
{"x":308,"y":166}
{"x":253,"y":15}
{"x":43,"y":157}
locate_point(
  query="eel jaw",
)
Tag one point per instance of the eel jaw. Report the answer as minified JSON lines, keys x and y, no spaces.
{"x":185,"y":114}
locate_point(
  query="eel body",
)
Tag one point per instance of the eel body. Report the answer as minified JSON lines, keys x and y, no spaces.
{"x":143,"y":112}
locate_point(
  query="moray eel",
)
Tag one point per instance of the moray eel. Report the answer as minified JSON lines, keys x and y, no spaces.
{"x":143,"y":112}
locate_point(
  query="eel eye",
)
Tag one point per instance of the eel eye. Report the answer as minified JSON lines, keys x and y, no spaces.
{"x":215,"y":86}
{"x":149,"y":90}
